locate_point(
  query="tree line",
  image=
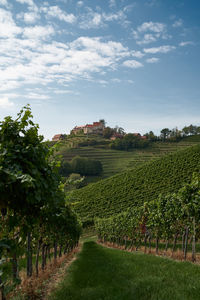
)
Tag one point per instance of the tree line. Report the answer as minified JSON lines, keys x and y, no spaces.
{"x":168,"y":134}
{"x":34,"y":219}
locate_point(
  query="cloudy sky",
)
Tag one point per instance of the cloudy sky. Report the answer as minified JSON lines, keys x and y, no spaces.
{"x":134,"y":63}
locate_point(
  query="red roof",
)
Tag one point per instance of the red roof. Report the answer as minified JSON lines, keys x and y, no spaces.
{"x":87,"y":125}
{"x":57,"y":136}
{"x":136,"y":134}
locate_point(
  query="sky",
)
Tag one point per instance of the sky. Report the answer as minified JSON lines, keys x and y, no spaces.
{"x":135,"y":64}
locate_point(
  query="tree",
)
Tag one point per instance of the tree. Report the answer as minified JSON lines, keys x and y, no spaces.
{"x":175,"y":134}
{"x":185,"y":130}
{"x":119,"y":130}
{"x":165,"y":133}
{"x":65,"y":169}
{"x":108,"y":132}
{"x":103,"y":122}
{"x":151,"y":136}
{"x":27,"y":177}
{"x":85,"y":166}
{"x":32,"y":203}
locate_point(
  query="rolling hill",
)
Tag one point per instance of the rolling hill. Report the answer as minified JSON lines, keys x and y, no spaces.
{"x":143,"y":183}
{"x":115,"y":161}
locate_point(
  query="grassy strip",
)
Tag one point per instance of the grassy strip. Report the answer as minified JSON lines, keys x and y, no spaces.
{"x":110,"y":274}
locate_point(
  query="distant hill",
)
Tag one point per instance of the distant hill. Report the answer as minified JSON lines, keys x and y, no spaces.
{"x":116,"y":161}
{"x":143,"y":183}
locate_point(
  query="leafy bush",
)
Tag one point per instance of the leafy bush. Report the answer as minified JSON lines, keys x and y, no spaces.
{"x":85,"y":166}
{"x":65,"y":168}
{"x":128,"y":142}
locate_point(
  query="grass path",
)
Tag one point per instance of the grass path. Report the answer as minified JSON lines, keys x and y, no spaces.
{"x":101,"y":273}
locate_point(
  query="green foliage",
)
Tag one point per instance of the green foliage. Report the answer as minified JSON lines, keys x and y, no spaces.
{"x":85,"y":166}
{"x":73,"y":182}
{"x":191,"y":130}
{"x":32,"y":202}
{"x":164,"y":217}
{"x":134,"y":187}
{"x":108,"y":132}
{"x":65,"y":169}
{"x":128,"y":142}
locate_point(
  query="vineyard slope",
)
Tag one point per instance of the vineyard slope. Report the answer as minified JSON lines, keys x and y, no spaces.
{"x":143,"y":183}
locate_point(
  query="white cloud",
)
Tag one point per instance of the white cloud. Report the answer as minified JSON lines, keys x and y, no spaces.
{"x":148,"y":38}
{"x":38,"y":32}
{"x":5,"y":103}
{"x":177,"y":23}
{"x":110,"y":48}
{"x":4,"y":3}
{"x":114,"y":16}
{"x":8,"y":28}
{"x":152,"y":60}
{"x":37,"y":96}
{"x":9,"y":85}
{"x":152,"y":26}
{"x":28,"y":2}
{"x":183,"y":44}
{"x":96,"y":20}
{"x":149,"y":32}
{"x":91,"y":20}
{"x":112,"y":3}
{"x":130,"y":81}
{"x":116,"y":80}
{"x":80,"y":3}
{"x":129,"y":8}
{"x":29,"y":17}
{"x":134,"y":64}
{"x":161,"y":49}
{"x":56,"y":12}
{"x":59,"y":92}
{"x":10,"y":95}
{"x":137,"y":54}
{"x":33,"y":60}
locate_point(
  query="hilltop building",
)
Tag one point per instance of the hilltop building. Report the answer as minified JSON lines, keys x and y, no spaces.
{"x":95,"y":128}
{"x":116,"y":136}
{"x":58,"y":137}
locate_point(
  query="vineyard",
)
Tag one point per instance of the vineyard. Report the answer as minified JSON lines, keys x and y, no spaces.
{"x":169,"y":217}
{"x":134,"y":187}
{"x":115,"y":161}
{"x":35,"y":223}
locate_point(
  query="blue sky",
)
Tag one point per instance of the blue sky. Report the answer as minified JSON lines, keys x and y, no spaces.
{"x":134,"y":63}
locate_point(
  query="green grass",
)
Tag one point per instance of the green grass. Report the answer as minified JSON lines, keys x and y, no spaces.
{"x":109,"y":274}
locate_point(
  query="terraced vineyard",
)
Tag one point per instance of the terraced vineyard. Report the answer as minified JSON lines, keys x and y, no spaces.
{"x":115,"y":161}
{"x":134,"y":187}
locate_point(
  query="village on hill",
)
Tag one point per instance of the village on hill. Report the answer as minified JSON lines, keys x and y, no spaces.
{"x":96,"y":128}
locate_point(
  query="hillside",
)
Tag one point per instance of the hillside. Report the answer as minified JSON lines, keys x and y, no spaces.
{"x":115,"y":161}
{"x":143,"y":183}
